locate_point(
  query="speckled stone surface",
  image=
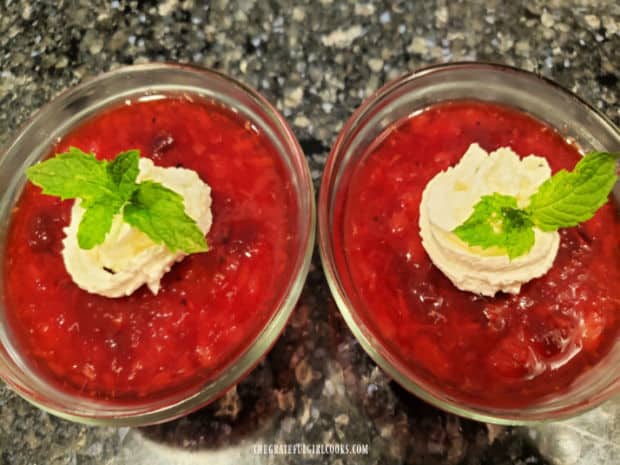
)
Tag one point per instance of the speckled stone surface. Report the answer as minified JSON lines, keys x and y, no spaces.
{"x":317,"y":60}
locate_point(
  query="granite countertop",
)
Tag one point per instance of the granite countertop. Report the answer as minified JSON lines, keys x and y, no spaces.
{"x":317,"y":60}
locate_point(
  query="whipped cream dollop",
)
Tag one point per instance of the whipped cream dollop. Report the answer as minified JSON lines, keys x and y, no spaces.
{"x":449,"y":199}
{"x":128,"y":258}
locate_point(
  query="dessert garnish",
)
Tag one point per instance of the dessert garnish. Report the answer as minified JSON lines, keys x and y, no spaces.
{"x":490,"y":222}
{"x":562,"y":201}
{"x":131,"y":220}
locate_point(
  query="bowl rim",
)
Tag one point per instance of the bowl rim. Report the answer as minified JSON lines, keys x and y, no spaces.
{"x":250,"y":356}
{"x":359,"y":330}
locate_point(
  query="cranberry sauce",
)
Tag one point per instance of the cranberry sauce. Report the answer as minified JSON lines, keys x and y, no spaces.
{"x":509,"y":350}
{"x":211,"y":306}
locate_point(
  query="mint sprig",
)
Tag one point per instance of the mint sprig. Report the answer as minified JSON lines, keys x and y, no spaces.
{"x":154,"y":210}
{"x":569,"y":198}
{"x":562,"y":201}
{"x":497,"y":222}
{"x":109,"y":188}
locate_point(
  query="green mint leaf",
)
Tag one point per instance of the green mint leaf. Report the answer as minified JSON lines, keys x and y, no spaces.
{"x":123,"y":171}
{"x":569,"y":198}
{"x":72,"y":175}
{"x":106,"y":188}
{"x":79,"y":175}
{"x":564,"y":200}
{"x":159,"y":213}
{"x":498,"y":222}
{"x":519,"y":232}
{"x":97,"y":221}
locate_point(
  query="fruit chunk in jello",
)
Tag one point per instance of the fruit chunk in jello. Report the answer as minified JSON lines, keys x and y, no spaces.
{"x":509,"y":350}
{"x":211,"y":305}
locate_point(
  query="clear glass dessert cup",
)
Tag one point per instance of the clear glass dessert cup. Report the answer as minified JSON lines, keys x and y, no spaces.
{"x":527,"y":92}
{"x":63,"y":114}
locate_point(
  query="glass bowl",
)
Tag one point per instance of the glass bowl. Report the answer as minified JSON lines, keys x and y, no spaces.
{"x":527,"y":92}
{"x":67,"y":111}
